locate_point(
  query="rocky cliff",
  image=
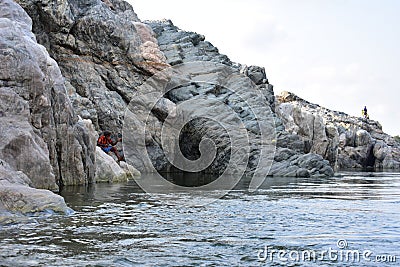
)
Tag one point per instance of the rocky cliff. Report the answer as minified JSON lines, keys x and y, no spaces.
{"x":105,"y":54}
{"x":93,"y":65}
{"x":42,"y":141}
{"x":43,"y":144}
{"x":348,"y":142}
{"x":254,"y":107}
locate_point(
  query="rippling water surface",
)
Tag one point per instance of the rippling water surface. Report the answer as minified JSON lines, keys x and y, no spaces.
{"x":120,"y":225}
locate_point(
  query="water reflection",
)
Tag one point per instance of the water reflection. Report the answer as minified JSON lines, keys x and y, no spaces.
{"x":188,"y":179}
{"x":348,"y":186}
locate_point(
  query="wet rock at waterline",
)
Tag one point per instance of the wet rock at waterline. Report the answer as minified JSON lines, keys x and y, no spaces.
{"x":108,"y":170}
{"x":18,"y":198}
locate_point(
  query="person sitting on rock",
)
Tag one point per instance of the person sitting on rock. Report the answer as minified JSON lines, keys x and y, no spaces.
{"x":107,"y":145}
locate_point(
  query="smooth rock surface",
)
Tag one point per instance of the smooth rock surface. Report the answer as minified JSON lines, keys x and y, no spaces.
{"x":109,"y":171}
{"x":18,"y":198}
{"x":107,"y":168}
{"x":45,"y":141}
{"x":24,"y":199}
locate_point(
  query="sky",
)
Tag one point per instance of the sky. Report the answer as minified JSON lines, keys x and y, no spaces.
{"x":340,"y":54}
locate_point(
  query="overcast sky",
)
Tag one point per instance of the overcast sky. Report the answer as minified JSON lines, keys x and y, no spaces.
{"x":341,"y":54}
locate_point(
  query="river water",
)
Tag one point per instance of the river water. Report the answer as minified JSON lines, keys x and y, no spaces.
{"x":287,"y":222}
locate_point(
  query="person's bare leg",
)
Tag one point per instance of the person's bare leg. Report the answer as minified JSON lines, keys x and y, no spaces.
{"x":115,"y":150}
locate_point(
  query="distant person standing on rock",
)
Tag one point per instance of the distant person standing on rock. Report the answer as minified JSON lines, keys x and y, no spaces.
{"x":365,"y":113}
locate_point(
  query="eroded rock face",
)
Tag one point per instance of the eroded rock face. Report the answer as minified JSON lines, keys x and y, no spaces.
{"x":103,"y":50}
{"x":42,"y":143}
{"x":106,"y":53}
{"x":43,"y":138}
{"x":253,"y":108}
{"x":346,"y":141}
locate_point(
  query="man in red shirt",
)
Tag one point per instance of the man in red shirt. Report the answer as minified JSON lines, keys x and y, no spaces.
{"x":108,"y":145}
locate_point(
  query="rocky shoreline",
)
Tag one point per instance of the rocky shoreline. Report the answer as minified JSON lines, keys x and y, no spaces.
{"x":71,"y":69}
{"x":348,"y":142}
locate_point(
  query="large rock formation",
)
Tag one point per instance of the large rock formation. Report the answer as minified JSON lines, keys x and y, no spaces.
{"x":52,"y":110}
{"x":249,"y":95}
{"x":105,"y":54}
{"x":96,"y":63}
{"x":346,"y":141}
{"x":42,"y":137}
{"x":42,"y":143}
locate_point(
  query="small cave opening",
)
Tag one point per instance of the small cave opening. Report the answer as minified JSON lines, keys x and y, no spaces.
{"x":189,"y":141}
{"x":191,"y":134}
{"x":369,"y":162}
